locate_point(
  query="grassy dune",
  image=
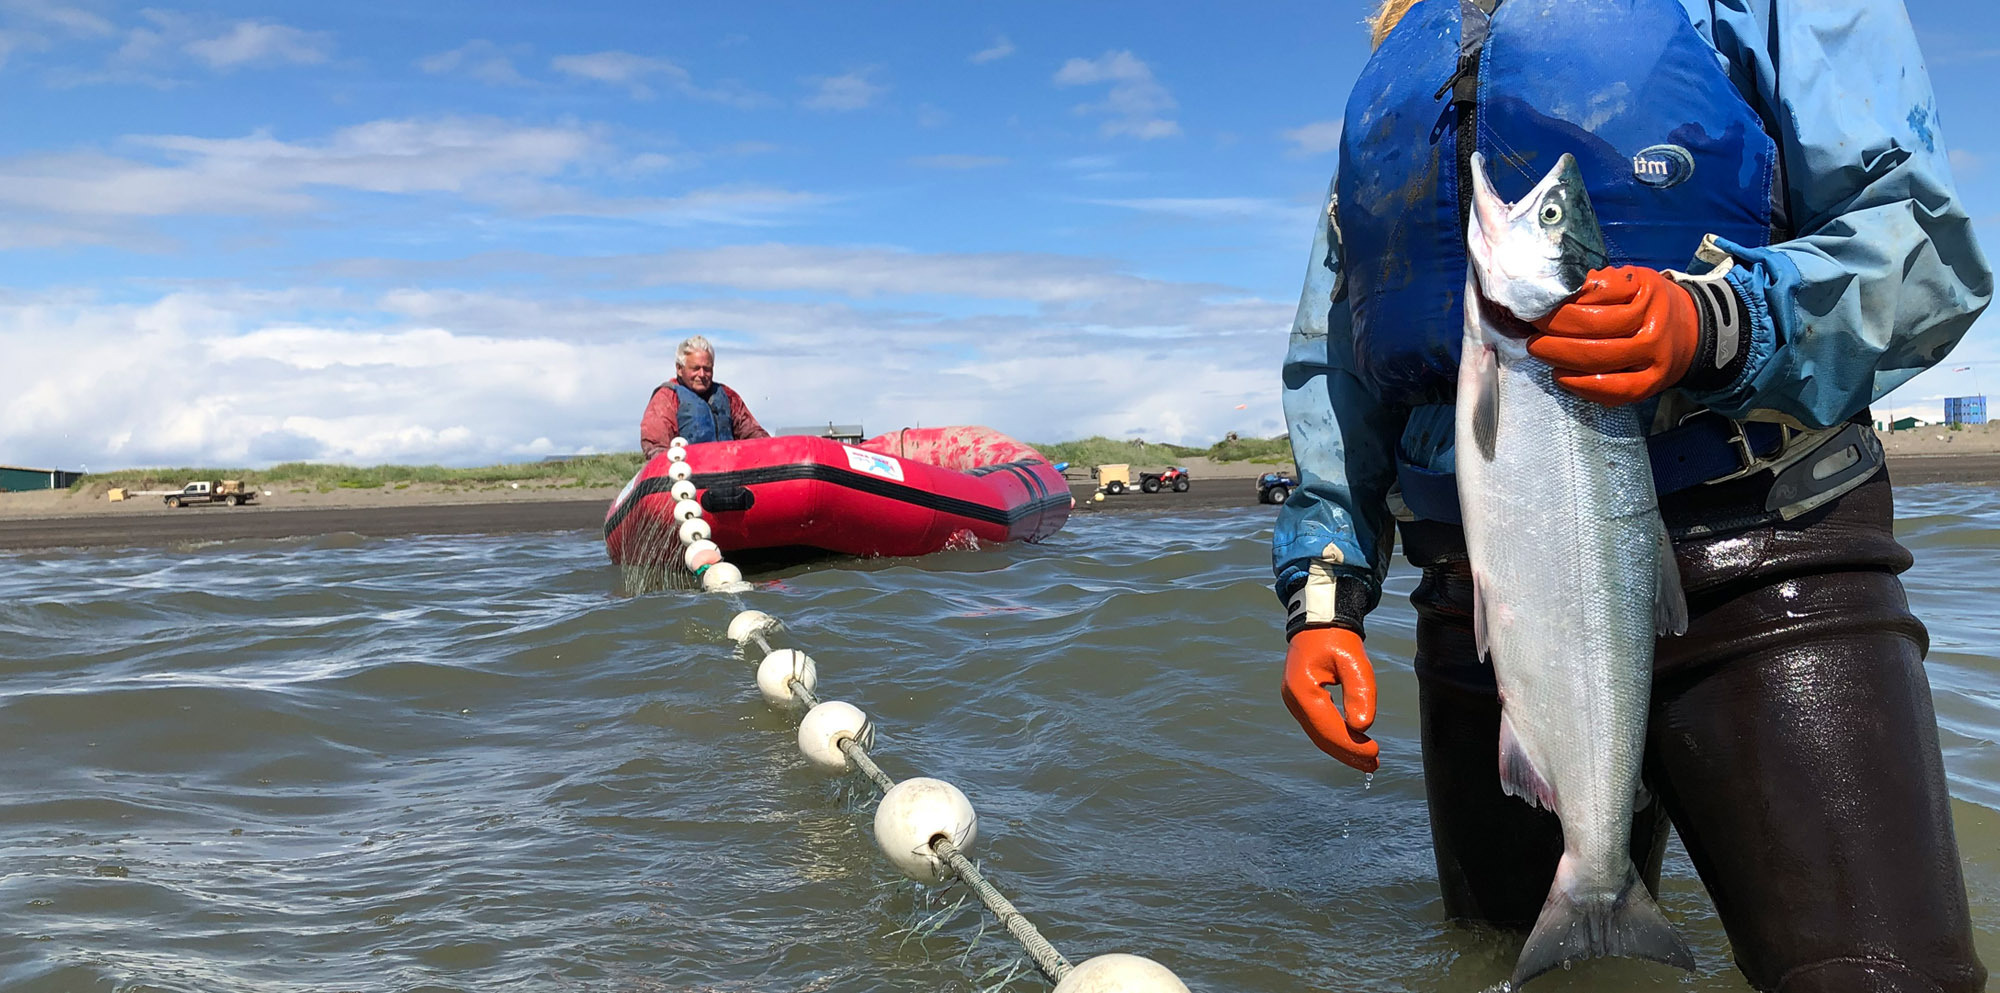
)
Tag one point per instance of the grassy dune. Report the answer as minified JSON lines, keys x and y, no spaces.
{"x":1100,"y":450}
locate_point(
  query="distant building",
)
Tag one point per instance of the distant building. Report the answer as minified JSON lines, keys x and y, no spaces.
{"x":847,"y":433}
{"x":16,"y":479}
{"x":1965,"y":410}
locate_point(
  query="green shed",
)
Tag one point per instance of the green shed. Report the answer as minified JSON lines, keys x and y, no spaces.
{"x":15,"y":479}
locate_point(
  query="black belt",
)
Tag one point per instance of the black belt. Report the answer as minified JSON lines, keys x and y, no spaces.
{"x":1707,"y":447}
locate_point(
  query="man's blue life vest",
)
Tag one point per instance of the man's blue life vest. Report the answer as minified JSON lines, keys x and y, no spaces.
{"x":702,"y":420}
{"x":1668,"y":147}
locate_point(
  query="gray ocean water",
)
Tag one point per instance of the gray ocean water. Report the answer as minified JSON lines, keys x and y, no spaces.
{"x":477,"y":763}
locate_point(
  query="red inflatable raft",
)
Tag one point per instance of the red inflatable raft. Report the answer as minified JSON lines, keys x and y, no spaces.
{"x":909,"y":492}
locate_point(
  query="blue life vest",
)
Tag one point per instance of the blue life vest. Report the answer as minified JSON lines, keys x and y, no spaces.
{"x":702,"y":420}
{"x":1668,"y":147}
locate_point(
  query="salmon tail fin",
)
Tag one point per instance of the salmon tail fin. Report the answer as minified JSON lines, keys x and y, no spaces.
{"x":1670,"y":605}
{"x":1575,"y":926}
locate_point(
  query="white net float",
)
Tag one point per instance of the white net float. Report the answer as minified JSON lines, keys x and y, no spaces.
{"x":749,"y":623}
{"x":1121,"y":973}
{"x":683,"y":489}
{"x":678,"y":453}
{"x":678,"y":471}
{"x":914,"y":812}
{"x":701,"y":553}
{"x":678,"y":442}
{"x":824,"y":726}
{"x":776,"y":672}
{"x":723,"y":578}
{"x":693,"y":530}
{"x":686,"y":510}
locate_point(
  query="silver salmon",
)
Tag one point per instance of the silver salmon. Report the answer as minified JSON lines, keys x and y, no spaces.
{"x":1573,"y":576}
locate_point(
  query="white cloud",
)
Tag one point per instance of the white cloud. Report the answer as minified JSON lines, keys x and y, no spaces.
{"x":302,"y":392}
{"x":518,"y":168}
{"x":621,"y":69}
{"x":932,"y":116}
{"x":31,"y":26}
{"x":1213,"y":208}
{"x":518,"y":171}
{"x":70,"y":20}
{"x":852,"y":91}
{"x":479,"y":59}
{"x":426,"y":372}
{"x":735,"y":205}
{"x":958,"y":161}
{"x":169,"y":42}
{"x":1000,"y":49}
{"x":1136,"y":105}
{"x":1316,"y":138}
{"x":1963,"y":162}
{"x":638,"y":74}
{"x":1050,"y":281}
{"x":862,"y":272}
{"x":248,"y":43}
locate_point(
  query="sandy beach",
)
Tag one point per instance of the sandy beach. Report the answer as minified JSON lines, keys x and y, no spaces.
{"x":84,"y":518}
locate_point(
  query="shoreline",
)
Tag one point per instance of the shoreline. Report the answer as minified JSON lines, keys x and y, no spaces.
{"x":50,"y":520}
{"x":98,"y":524}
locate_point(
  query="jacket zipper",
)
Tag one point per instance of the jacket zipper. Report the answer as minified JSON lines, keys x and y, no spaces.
{"x":1464,"y":89}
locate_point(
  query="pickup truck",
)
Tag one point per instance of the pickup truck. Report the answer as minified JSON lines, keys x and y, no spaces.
{"x":229,"y":491}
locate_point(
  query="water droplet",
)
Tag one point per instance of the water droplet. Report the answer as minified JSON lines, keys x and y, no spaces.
{"x":1367,"y":780}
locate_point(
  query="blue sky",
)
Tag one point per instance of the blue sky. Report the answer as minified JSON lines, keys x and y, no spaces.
{"x":472,"y":232}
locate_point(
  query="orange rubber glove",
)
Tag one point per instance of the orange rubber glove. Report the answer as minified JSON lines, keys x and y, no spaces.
{"x":1320,"y":656}
{"x":1629,"y":334}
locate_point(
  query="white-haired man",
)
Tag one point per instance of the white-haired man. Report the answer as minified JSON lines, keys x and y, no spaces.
{"x":694,"y":406}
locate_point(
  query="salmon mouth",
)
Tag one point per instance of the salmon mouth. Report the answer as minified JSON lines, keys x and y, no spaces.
{"x":1499,"y":318}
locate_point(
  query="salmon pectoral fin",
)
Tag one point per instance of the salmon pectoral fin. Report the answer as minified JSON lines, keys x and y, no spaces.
{"x":1576,"y":925}
{"x":1486,"y":401}
{"x":1670,"y":606}
{"x":1518,"y":775}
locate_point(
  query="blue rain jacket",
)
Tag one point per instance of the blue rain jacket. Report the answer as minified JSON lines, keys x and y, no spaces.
{"x":1878,"y":278}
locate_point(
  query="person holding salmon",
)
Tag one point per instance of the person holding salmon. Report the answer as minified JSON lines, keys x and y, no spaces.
{"x":1600,"y":298}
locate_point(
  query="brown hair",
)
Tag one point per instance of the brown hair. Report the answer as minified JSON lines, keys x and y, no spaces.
{"x":1385,"y":17}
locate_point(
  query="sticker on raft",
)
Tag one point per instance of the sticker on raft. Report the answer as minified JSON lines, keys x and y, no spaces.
{"x":873,"y":464}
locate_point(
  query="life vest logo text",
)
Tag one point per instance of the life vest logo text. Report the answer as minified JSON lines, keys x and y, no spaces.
{"x":1662,"y":166}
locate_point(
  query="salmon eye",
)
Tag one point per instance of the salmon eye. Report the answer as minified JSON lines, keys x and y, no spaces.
{"x":1552,"y":213}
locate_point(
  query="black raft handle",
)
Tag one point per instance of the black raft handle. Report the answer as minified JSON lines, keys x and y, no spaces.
{"x":717,"y":499}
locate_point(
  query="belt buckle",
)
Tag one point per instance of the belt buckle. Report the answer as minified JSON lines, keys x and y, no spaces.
{"x":1749,"y":462}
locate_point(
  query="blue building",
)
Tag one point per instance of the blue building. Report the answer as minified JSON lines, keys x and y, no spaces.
{"x":1965,"y":410}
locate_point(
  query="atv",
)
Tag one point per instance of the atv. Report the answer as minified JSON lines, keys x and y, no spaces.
{"x":1275,"y":487}
{"x":1175,"y":477}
